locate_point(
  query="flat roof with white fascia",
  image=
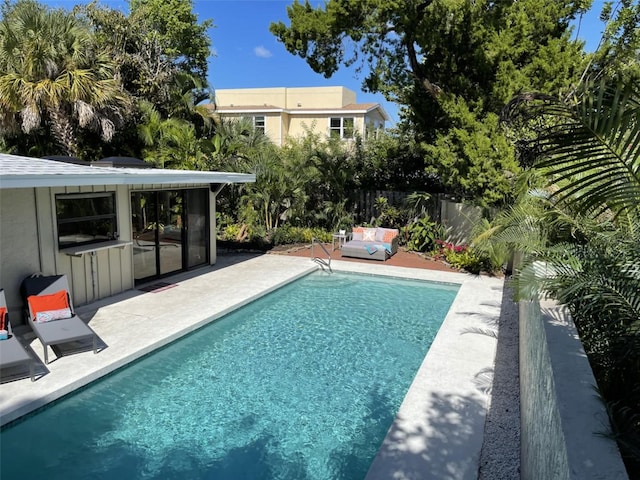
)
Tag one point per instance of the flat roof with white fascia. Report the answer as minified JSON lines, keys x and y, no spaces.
{"x":27,"y":172}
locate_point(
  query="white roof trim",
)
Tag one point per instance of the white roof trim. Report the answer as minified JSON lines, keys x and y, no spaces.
{"x":26,"y":172}
{"x":306,"y":111}
{"x":250,"y":110}
{"x":340,"y":112}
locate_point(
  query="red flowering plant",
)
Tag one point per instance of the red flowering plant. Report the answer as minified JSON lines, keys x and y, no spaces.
{"x":460,"y":256}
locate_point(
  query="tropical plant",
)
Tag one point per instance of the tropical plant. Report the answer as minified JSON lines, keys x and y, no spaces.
{"x":54,"y":76}
{"x":423,"y":234}
{"x":419,"y":204}
{"x":289,"y":234}
{"x":170,"y":143}
{"x":590,"y":148}
{"x":583,"y":229}
{"x":463,"y":257}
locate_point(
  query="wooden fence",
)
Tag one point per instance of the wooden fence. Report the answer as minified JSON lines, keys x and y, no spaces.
{"x":458,"y":219}
{"x":365,"y":204}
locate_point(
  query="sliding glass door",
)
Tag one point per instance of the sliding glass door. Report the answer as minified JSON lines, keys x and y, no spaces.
{"x":197,"y":227}
{"x":160,"y":231}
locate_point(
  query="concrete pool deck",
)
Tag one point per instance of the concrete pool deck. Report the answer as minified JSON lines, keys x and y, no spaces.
{"x":438,"y":432}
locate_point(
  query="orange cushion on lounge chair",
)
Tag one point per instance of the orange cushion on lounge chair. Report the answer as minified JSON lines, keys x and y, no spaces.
{"x":3,"y":318}
{"x":45,"y":303}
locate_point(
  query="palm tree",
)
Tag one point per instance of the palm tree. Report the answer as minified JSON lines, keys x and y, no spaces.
{"x":53,"y":76}
{"x":581,"y":232}
{"x":589,"y":147}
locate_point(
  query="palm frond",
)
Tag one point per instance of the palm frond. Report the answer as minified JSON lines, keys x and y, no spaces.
{"x":590,"y":148}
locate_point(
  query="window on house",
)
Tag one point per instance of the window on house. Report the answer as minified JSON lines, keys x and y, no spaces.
{"x":373,"y":129}
{"x":341,"y":127}
{"x":86,"y":218}
{"x":259,"y":124}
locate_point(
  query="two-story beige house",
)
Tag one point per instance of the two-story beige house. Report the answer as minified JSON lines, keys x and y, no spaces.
{"x":288,"y":112}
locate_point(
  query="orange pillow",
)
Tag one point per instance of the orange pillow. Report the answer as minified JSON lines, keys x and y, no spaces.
{"x":3,"y":318}
{"x":358,"y":230}
{"x":389,"y":236}
{"x":45,"y":303}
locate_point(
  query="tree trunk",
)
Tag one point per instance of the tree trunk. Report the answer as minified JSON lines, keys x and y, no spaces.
{"x":62,"y":131}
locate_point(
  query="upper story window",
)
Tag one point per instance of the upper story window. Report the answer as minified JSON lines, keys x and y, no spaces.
{"x":259,"y":123}
{"x":373,"y":128}
{"x":86,"y":218}
{"x":341,"y":127}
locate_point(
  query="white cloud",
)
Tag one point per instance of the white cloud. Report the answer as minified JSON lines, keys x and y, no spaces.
{"x":262,"y":52}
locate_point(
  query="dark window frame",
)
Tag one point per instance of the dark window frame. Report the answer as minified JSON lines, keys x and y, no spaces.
{"x":260,"y":123}
{"x":97,"y":225}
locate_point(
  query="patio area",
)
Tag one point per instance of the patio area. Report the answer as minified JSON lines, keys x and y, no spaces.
{"x":401,"y":258}
{"x":439,"y":428}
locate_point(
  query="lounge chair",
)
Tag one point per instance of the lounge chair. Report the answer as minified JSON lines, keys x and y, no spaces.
{"x":50,"y":312}
{"x":12,"y":353}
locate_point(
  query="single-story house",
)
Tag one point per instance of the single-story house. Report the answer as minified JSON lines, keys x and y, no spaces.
{"x":106,"y":228}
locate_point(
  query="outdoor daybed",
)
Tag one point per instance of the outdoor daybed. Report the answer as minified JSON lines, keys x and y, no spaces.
{"x":372,"y":243}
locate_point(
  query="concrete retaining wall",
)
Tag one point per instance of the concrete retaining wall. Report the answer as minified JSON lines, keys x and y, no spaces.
{"x":562,"y":418}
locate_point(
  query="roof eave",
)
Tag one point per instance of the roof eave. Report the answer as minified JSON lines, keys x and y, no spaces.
{"x":34,"y":181}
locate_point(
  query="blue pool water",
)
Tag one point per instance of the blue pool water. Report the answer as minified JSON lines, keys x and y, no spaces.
{"x":301,"y":384}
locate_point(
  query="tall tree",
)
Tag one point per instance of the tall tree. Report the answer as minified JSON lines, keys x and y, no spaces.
{"x":54,"y":76}
{"x":452,"y":64}
{"x":485,"y":51}
{"x":618,"y":52}
{"x":160,"y":49}
{"x":184,"y":41}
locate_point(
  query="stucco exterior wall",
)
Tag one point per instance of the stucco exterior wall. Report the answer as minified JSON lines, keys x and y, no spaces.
{"x":299,"y":97}
{"x":299,"y":124}
{"x":19,"y":245}
{"x":561,"y":418}
{"x":273,"y":126}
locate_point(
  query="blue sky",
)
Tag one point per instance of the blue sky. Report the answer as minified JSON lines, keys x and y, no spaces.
{"x":247,"y":55}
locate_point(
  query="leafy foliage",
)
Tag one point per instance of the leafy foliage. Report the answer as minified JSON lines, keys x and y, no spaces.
{"x":423,"y":235}
{"x":592,"y":148}
{"x":69,"y":74}
{"x":617,"y":53}
{"x":452,"y":64}
{"x":289,"y":234}
{"x":581,"y":234}
{"x":55,"y":76}
{"x":463,"y":257}
{"x":473,"y":158}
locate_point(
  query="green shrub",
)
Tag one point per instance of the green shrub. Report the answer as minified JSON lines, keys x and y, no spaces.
{"x":288,"y":234}
{"x":230,"y":232}
{"x":423,"y":234}
{"x":463,"y":257}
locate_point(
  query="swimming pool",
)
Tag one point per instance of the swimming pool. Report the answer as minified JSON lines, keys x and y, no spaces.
{"x":303,"y":383}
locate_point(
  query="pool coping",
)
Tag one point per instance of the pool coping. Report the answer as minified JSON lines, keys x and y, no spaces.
{"x":439,"y":428}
